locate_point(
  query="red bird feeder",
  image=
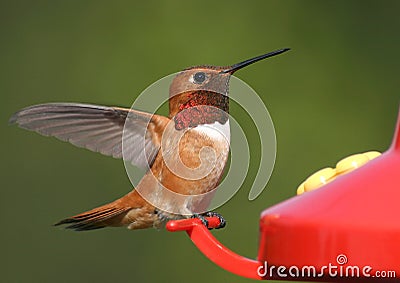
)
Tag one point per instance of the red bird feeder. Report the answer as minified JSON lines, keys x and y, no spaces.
{"x":348,"y":230}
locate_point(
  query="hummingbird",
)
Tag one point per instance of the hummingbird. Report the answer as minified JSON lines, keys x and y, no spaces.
{"x":164,"y":146}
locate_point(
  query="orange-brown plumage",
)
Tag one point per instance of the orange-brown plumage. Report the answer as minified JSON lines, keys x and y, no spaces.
{"x":186,"y":152}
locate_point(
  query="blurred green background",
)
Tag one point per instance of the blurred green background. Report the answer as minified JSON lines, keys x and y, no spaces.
{"x":334,"y":94}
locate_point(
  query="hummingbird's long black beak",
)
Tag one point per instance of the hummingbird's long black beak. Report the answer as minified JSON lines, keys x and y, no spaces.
{"x":245,"y":63}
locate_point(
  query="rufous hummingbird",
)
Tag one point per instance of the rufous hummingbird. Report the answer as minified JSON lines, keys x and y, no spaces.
{"x":198,"y":98}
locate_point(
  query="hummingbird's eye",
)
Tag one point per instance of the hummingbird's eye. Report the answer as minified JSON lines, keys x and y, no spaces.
{"x":199,"y":77}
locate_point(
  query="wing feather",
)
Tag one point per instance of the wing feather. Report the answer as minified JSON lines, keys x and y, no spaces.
{"x":98,"y":128}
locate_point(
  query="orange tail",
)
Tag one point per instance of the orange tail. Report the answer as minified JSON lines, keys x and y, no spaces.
{"x":107,"y":215}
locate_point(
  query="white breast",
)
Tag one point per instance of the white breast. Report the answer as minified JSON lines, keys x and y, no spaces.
{"x":217,"y":131}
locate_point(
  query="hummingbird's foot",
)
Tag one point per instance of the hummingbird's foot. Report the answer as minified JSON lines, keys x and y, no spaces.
{"x":203,"y":219}
{"x":222,"y":221}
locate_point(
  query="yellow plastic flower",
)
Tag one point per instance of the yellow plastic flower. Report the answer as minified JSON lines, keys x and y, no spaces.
{"x":344,"y":166}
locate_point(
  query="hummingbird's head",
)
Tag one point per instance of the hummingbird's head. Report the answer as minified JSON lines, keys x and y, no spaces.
{"x":205,"y":89}
{"x":200,"y":85}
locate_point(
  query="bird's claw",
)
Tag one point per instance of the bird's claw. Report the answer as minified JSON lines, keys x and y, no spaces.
{"x":202,"y":218}
{"x":222,"y":221}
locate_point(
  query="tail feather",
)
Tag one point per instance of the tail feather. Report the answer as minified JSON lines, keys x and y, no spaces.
{"x":100,"y":217}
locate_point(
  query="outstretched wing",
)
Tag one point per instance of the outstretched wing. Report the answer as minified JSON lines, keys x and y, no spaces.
{"x":98,"y":128}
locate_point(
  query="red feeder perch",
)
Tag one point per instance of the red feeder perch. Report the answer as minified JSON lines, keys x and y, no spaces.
{"x":348,"y":230}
